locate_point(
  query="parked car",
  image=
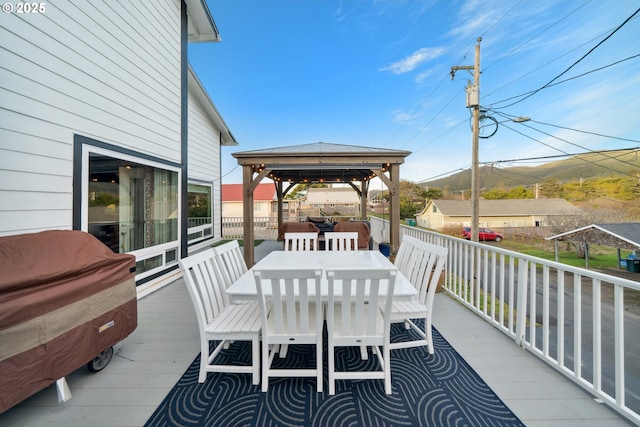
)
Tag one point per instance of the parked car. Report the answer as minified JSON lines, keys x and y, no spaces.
{"x":484,"y":234}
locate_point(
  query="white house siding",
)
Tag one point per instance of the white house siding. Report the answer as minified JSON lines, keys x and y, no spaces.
{"x":204,"y":153}
{"x":106,"y":70}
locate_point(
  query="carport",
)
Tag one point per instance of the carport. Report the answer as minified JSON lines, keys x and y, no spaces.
{"x":620,"y":236}
{"x":320,"y":162}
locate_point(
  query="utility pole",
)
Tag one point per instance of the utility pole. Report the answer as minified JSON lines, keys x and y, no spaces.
{"x":473,"y":101}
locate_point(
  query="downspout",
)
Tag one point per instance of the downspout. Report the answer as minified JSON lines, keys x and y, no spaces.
{"x":184,"y":126}
{"x":219,"y":191}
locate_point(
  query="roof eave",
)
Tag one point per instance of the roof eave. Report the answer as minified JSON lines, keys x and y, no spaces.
{"x":202,"y":27}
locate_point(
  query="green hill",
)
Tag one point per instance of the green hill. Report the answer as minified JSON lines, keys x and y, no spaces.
{"x":623,"y":165}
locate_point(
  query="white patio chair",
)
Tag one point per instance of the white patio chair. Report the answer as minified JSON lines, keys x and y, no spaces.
{"x":354,"y":320}
{"x":217,"y":318}
{"x":231,"y":261}
{"x":301,"y":241}
{"x":404,"y":252}
{"x":290,"y":316}
{"x":341,"y":241}
{"x":426,"y":263}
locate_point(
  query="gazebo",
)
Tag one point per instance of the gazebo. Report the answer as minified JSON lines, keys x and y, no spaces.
{"x":320,"y":163}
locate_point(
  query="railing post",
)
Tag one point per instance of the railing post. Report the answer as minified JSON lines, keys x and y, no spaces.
{"x":618,"y":298}
{"x":521,"y":304}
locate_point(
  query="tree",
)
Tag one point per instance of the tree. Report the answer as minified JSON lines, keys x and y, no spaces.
{"x":412,"y":198}
{"x":433,"y":193}
{"x":551,"y":188}
{"x":519,"y":192}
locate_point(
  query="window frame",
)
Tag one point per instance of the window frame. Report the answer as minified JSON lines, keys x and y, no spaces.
{"x":162,"y":251}
{"x":204,"y":231}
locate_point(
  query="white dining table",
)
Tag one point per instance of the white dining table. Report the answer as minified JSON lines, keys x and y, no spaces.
{"x":245,"y":287}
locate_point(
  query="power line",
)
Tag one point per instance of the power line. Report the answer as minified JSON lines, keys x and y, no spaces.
{"x":501,"y":18}
{"x":442,"y":174}
{"x":557,"y":149}
{"x":535,"y":36}
{"x":571,"y":143}
{"x":566,"y":80}
{"x":574,"y":144}
{"x":558,"y":156}
{"x":588,"y":132}
{"x":441,"y":135}
{"x":440,"y":83}
{"x":576,"y":62}
{"x":432,"y":119}
{"x":511,"y":117}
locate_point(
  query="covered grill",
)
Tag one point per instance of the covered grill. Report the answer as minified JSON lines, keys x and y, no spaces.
{"x":64,"y":298}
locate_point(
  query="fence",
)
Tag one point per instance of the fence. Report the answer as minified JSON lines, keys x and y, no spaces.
{"x":583,"y":323}
{"x":265,"y":228}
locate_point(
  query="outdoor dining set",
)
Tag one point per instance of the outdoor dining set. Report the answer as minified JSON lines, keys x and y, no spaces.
{"x":289,"y":296}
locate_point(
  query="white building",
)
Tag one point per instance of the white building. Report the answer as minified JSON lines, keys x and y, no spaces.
{"x":105,"y":128}
{"x":329,"y":200}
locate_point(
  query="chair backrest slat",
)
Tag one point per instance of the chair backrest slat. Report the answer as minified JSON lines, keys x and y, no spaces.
{"x":341,"y":241}
{"x":231,"y":261}
{"x":290,"y":298}
{"x":404,"y":253}
{"x":203,"y":277}
{"x":437,"y":257}
{"x":301,"y":241}
{"x":423,"y":265}
{"x":360,"y":292}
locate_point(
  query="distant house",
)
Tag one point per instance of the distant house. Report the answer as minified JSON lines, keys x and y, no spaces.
{"x":330,"y":200}
{"x":265,"y":202}
{"x":438,"y":214}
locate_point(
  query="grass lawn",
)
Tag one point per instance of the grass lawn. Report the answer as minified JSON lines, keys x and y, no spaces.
{"x":599,"y":256}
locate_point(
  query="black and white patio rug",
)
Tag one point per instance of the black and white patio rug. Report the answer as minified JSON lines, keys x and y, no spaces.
{"x":428,"y":390}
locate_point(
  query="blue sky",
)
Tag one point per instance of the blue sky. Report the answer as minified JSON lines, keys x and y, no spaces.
{"x":377,"y":73}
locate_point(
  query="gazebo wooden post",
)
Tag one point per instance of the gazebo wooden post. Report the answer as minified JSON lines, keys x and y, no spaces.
{"x":364,"y":199}
{"x":247,"y":213}
{"x":280,"y":202}
{"x":394,"y":196}
{"x":393,"y":185}
{"x":249,"y":184}
{"x":362,"y":194}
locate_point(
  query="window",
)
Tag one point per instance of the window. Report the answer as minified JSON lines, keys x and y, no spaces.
{"x":133,"y":208}
{"x":199,"y":212}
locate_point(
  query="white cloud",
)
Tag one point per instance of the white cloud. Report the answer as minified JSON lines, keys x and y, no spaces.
{"x":401,"y":116}
{"x":423,"y":76}
{"x":412,"y":61}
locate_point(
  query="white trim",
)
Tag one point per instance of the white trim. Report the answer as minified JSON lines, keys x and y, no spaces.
{"x":162,"y":281}
{"x":154,"y":251}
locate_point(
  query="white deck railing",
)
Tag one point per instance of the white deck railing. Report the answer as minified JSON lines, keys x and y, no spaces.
{"x":574,"y":319}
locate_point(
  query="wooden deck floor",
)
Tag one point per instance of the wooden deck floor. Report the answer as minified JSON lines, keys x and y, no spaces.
{"x":155,"y":355}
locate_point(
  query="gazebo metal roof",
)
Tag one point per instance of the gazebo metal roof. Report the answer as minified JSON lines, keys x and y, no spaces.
{"x":320,"y":162}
